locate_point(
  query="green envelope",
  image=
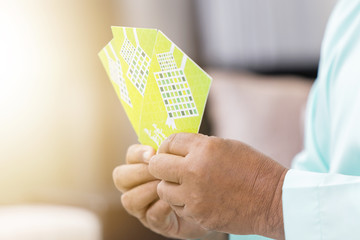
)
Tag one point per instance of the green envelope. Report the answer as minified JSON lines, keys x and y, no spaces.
{"x":161,"y":89}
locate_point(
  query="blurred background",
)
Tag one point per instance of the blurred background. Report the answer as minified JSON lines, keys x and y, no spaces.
{"x":63,"y":130}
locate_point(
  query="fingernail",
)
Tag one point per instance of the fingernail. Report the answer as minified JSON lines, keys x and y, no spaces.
{"x":147,"y":156}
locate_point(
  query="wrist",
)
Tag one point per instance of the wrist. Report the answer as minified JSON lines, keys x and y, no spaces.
{"x":274,"y":220}
{"x":267,"y":190}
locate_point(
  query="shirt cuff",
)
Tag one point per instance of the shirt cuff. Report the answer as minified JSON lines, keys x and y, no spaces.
{"x":301,"y":205}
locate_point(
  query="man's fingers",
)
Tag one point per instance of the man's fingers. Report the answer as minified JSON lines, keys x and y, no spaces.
{"x":171,"y":193}
{"x":162,"y":219}
{"x":159,"y":215}
{"x":179,"y":143}
{"x":139,"y":153}
{"x":137,"y":200}
{"x":130,"y":175}
{"x":167,"y":167}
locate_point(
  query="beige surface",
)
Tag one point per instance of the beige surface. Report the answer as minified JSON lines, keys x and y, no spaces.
{"x":44,"y":222}
{"x":264,"y":112}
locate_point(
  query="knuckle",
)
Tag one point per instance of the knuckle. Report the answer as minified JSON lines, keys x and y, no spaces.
{"x":139,"y":153}
{"x":153,"y":186}
{"x":204,"y":156}
{"x":152,"y":166}
{"x":117,"y":178}
{"x":160,"y":218}
{"x":158,"y":222}
{"x":136,"y":173}
{"x":115,"y":174}
{"x":130,"y":207}
{"x":196,"y":172}
{"x":153,"y":219}
{"x":171,"y":141}
{"x":210,"y":144}
{"x":131,"y":149}
{"x":160,"y":189}
{"x":131,"y":152}
{"x":127,"y":203}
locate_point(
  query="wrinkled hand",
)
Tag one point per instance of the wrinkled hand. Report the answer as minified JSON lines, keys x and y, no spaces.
{"x":141,"y":200}
{"x":221,"y":185}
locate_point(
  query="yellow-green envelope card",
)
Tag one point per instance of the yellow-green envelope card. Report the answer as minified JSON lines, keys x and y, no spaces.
{"x":162,"y":90}
{"x":176,"y":95}
{"x":126,"y":60}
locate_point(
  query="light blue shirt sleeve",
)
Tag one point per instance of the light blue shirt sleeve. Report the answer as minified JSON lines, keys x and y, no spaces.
{"x":321,"y":206}
{"x":321,"y":195}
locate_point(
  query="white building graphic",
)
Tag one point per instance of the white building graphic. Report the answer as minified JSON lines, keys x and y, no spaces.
{"x":156,"y":135}
{"x":138,"y":61}
{"x":166,"y":61}
{"x":174,"y":88}
{"x":116,"y":75}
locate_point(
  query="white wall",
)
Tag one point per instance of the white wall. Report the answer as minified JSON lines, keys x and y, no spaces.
{"x":175,"y":18}
{"x":263,"y":34}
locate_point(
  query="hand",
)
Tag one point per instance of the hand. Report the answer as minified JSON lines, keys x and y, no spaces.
{"x":141,"y":200}
{"x":221,"y":185}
